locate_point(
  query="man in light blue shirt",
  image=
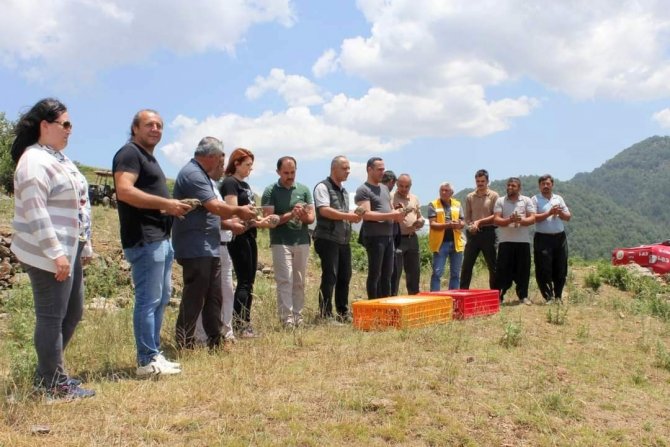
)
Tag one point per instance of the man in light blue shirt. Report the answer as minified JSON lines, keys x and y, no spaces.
{"x":550,"y":245}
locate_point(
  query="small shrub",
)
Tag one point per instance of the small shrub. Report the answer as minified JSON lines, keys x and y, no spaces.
{"x":359,"y":257}
{"x":615,"y":276}
{"x":562,"y":403}
{"x":19,"y":342}
{"x":638,"y":378}
{"x":22,"y":371}
{"x":579,"y":296}
{"x":659,"y":306}
{"x":643,"y":343}
{"x":426,"y":255}
{"x":511,"y":335}
{"x":105,"y":279}
{"x":593,"y":281}
{"x":557,"y":313}
{"x":21,"y":324}
{"x":583,"y":332}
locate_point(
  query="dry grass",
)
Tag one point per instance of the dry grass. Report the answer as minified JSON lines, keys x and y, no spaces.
{"x":591,"y":381}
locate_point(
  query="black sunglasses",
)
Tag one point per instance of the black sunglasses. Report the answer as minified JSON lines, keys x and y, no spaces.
{"x":64,"y":124}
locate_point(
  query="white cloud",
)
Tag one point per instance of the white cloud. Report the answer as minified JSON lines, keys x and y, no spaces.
{"x":295,"y":90}
{"x":662,"y":117}
{"x":327,"y":63}
{"x":431,"y":65}
{"x":296,"y":132}
{"x":600,"y":48}
{"x":78,"y":38}
{"x":448,"y":112}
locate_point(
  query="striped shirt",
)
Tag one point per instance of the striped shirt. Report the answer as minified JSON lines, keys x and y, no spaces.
{"x":51,"y":210}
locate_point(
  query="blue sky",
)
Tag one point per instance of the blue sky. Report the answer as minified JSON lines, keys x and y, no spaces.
{"x":438,"y":89}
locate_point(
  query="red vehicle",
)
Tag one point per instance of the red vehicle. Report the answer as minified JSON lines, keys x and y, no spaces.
{"x":655,"y":257}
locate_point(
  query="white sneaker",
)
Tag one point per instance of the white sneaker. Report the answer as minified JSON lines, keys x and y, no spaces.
{"x":156,"y":368}
{"x":160,"y":358}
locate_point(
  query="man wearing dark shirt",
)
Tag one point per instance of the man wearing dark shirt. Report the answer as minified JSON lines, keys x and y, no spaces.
{"x":377,"y":229}
{"x":145,"y":215}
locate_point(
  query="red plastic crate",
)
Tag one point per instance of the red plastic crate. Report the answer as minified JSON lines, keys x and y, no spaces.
{"x":471,"y":303}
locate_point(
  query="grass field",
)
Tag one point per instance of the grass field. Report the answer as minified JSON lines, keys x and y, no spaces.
{"x":593,"y":372}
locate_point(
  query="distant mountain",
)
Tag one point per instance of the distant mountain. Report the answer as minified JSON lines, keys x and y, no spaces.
{"x":625,"y":202}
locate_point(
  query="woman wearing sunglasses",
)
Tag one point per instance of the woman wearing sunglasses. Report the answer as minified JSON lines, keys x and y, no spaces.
{"x":52,"y":229}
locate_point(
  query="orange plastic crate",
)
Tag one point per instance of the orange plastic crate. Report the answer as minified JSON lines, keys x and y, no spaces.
{"x":402,"y":312}
{"x":471,"y":303}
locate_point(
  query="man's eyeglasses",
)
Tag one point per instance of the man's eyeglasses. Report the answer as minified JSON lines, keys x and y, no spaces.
{"x":64,"y":124}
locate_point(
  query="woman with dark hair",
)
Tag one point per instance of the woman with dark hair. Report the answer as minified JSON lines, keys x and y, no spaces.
{"x":52,"y":235}
{"x":243,"y":249}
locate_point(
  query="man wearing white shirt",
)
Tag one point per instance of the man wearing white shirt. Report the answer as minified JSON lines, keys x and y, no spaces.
{"x":514,"y":214}
{"x":331,"y":240}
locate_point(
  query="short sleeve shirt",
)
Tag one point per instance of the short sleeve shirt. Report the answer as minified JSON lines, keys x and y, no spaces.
{"x":231,"y":186}
{"x":142,"y":226}
{"x":411,"y":202}
{"x":479,"y":206}
{"x":197,"y":234}
{"x":380,"y":201}
{"x":321,"y":195}
{"x":284,"y":199}
{"x":524,"y":207}
{"x":553,"y":224}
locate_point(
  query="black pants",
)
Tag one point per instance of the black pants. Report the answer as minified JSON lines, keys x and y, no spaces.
{"x":513,"y":265}
{"x":380,"y":265}
{"x":483,"y":241}
{"x":407,"y":258}
{"x":335,"y":274}
{"x":202,"y":293}
{"x":244,"y":254}
{"x":551,"y":263}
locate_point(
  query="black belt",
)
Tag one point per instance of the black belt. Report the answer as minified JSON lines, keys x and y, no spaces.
{"x":408,"y":235}
{"x":487,"y":228}
{"x":224,"y":243}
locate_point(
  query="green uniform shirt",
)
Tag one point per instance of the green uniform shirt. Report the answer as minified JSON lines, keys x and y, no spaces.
{"x":284,"y":199}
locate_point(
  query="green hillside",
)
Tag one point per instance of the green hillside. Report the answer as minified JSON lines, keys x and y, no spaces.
{"x":621,"y":203}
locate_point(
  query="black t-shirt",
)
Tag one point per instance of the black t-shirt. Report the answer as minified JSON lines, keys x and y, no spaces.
{"x":138,"y":225}
{"x":231,"y":186}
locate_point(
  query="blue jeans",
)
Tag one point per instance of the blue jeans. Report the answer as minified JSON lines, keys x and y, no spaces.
{"x":152,"y":275}
{"x":447,"y":250}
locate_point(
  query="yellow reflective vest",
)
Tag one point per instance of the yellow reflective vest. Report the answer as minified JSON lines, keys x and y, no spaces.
{"x":435,"y":237}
